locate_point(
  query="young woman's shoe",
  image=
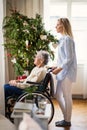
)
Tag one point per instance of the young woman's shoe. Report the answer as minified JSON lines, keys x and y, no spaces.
{"x":62,"y":123}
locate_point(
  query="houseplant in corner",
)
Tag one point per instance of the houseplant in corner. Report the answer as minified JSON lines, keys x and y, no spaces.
{"x":23,"y":38}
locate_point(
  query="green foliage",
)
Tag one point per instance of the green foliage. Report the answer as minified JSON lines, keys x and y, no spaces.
{"x":31,"y":89}
{"x":24,"y":36}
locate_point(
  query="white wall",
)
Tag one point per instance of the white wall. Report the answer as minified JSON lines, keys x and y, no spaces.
{"x":2,"y":72}
{"x":80,"y":87}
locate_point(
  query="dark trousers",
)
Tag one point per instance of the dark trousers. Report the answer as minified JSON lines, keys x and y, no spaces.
{"x":12,"y":91}
{"x":11,"y":95}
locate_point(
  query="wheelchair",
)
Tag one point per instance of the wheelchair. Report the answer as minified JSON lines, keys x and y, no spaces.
{"x":41,"y":97}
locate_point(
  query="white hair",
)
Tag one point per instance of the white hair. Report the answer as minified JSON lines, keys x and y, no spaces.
{"x":43,"y":55}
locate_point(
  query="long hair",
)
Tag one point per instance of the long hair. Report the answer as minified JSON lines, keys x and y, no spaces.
{"x":66,"y":26}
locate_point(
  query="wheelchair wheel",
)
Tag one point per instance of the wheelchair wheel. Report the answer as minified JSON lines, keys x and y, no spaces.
{"x":42,"y":104}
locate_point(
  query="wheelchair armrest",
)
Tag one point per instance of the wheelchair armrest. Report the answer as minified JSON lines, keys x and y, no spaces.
{"x":33,"y":83}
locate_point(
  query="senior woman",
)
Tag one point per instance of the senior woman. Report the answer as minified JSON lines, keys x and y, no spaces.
{"x":36,"y":75}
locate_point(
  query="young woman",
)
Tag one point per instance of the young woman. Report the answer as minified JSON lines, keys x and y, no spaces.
{"x":65,"y":71}
{"x":37,"y":74}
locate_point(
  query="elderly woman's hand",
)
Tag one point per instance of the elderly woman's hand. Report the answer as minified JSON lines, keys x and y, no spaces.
{"x":13,"y":83}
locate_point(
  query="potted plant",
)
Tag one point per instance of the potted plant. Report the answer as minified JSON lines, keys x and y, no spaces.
{"x":23,"y":38}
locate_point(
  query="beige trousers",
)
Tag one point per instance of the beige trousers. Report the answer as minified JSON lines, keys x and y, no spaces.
{"x":64,"y":97}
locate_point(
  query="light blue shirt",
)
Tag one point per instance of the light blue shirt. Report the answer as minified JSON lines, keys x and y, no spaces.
{"x":67,"y":58}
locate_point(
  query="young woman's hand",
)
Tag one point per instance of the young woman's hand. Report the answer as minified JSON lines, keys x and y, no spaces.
{"x":56,"y":70}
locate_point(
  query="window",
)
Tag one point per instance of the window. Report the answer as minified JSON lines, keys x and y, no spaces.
{"x":77,"y":12}
{"x":79,"y":25}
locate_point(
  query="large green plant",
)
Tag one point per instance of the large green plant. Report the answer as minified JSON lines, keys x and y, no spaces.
{"x":24,"y":36}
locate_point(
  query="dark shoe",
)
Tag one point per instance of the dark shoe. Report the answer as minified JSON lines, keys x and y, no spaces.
{"x":63,"y":123}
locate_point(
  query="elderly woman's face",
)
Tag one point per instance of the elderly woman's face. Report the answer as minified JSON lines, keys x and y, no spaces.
{"x":38,"y":60}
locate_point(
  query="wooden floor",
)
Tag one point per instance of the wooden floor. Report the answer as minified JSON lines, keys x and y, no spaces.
{"x":79,"y":116}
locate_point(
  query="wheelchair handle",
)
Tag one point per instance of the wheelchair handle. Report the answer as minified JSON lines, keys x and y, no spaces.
{"x":50,"y":69}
